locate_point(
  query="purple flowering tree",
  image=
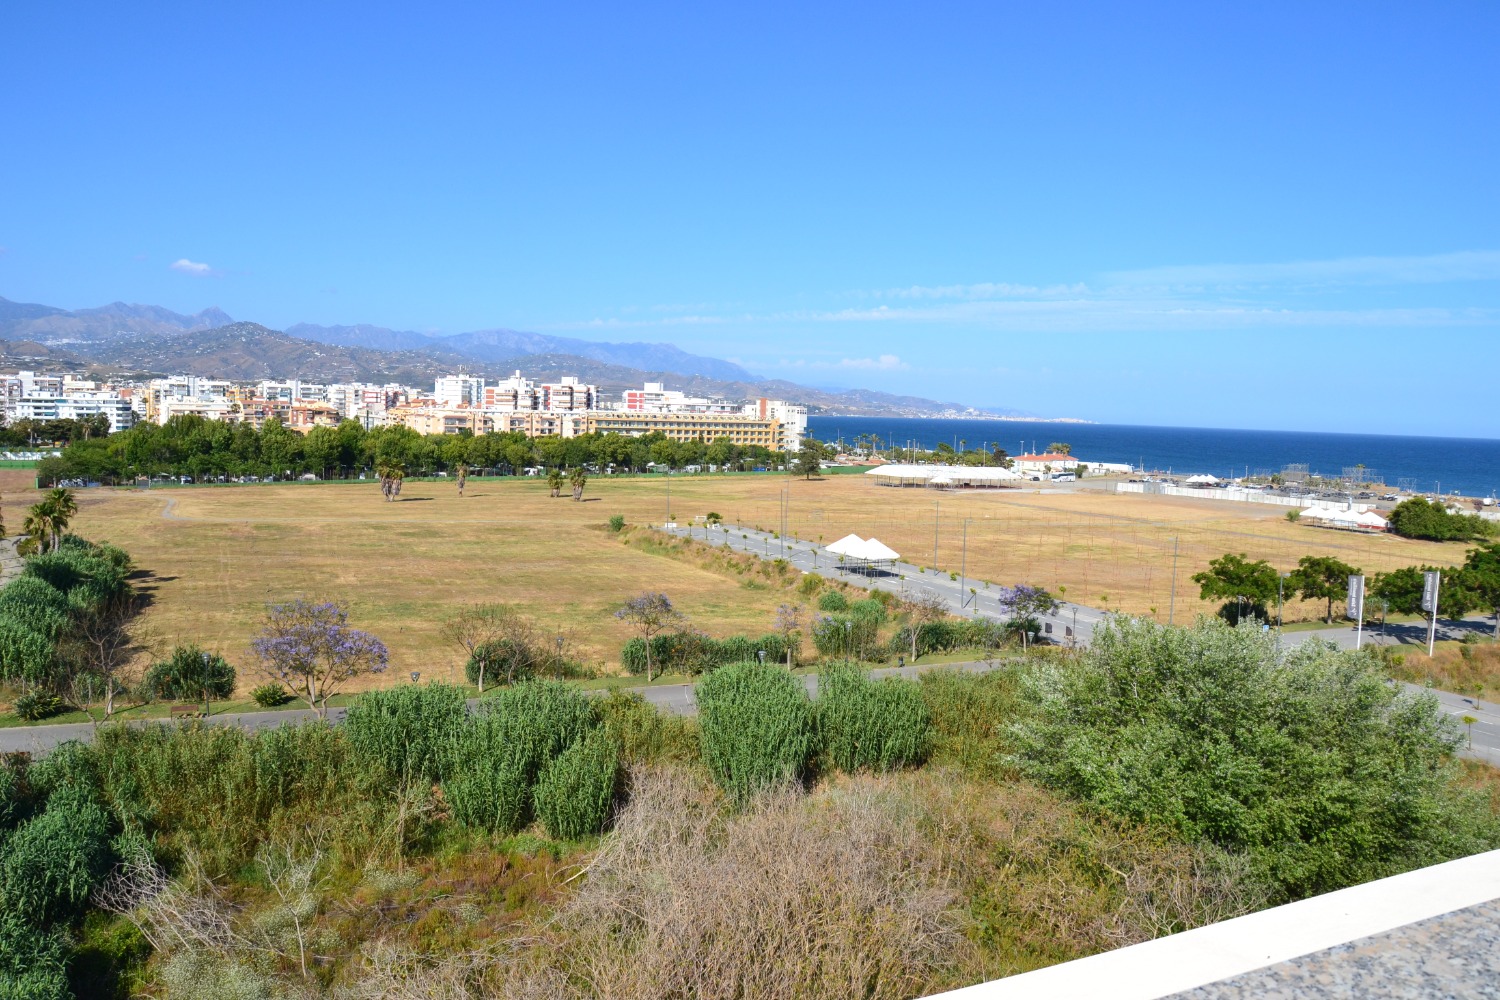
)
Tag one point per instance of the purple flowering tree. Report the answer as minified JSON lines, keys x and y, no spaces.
{"x":1025,"y":604}
{"x":649,"y":613}
{"x":311,"y":648}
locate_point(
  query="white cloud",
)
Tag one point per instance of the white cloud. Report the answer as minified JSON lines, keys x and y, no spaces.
{"x":983,"y":290}
{"x":1473,"y":265}
{"x":197,"y":270}
{"x":884,"y":363}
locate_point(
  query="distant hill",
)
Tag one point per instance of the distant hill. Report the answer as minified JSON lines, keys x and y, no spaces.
{"x":46,"y":325}
{"x":138,"y":341}
{"x":500,"y":345}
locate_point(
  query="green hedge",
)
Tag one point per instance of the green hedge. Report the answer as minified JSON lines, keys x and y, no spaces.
{"x":870,"y":725}
{"x":410,"y":731}
{"x":756,"y":726}
{"x":574,"y":791}
{"x":695,"y":653}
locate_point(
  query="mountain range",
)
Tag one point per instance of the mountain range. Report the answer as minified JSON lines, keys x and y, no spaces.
{"x":127,"y":340}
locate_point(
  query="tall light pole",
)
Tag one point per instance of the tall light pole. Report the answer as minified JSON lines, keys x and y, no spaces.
{"x":1280,"y":578}
{"x":963,"y":567}
{"x":937,"y":514}
{"x":1172,"y":603}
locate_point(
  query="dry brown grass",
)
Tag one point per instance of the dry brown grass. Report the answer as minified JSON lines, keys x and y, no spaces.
{"x":1463,"y":668}
{"x":221,"y":554}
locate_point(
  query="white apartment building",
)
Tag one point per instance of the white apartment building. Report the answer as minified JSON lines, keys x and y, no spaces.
{"x":790,"y":418}
{"x":77,"y":406}
{"x":459,"y":390}
{"x":654,"y":397}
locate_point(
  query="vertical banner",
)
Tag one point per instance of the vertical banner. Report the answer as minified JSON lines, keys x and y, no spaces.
{"x":1357,"y":598}
{"x":1430,"y":582}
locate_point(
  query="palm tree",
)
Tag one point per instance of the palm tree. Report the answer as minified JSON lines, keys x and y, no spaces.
{"x":42,"y":529}
{"x":579,"y":478}
{"x":64,"y":506}
{"x":555,"y":482}
{"x":391,"y":474}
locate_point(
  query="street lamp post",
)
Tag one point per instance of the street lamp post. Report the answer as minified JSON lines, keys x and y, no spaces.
{"x":963,"y":568}
{"x":937,"y":517}
{"x":848,"y":640}
{"x":1280,"y":579}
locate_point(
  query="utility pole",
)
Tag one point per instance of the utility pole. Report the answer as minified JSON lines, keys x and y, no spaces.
{"x":963,"y":567}
{"x":937,"y":514}
{"x":1172,"y":603}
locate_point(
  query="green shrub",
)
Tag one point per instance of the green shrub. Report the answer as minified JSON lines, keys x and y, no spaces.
{"x":1302,"y":759}
{"x":270,"y":696}
{"x":691,"y":652}
{"x":868,"y":607}
{"x":190,"y":674}
{"x":833,"y":600}
{"x":809,"y":584}
{"x":500,"y":751}
{"x":874,"y":725}
{"x":757,"y":728}
{"x":574,"y":791}
{"x":645,"y":736}
{"x":54,"y":862}
{"x":617,"y":523}
{"x":408,"y":730}
{"x":504,"y":661}
{"x":33,"y":962}
{"x":970,"y":714}
{"x":36,"y":704}
{"x":36,"y":604}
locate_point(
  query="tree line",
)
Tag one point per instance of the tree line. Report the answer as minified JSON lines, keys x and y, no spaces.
{"x":1249,"y":588}
{"x":190,"y":445}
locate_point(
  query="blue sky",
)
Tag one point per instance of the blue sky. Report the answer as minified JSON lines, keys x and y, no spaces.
{"x":1263,"y":215}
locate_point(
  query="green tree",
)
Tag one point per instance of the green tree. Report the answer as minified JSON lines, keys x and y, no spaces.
{"x":809,"y":458}
{"x":1059,"y":448}
{"x":649,"y":613}
{"x":1322,"y":578}
{"x":1245,"y":587}
{"x":578,"y":480}
{"x":1417,"y":518}
{"x":554,"y":482}
{"x":1480,"y":577}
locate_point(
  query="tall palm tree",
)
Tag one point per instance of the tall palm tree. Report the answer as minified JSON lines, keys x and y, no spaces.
{"x":64,"y":506}
{"x":41,"y":528}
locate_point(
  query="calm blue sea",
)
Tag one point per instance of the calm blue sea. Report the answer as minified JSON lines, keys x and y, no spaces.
{"x":1469,"y":465}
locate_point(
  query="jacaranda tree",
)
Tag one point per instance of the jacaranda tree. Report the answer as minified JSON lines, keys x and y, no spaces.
{"x":312,"y":649}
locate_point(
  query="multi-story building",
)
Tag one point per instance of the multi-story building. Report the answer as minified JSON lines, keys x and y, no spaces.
{"x":654,"y":397}
{"x":789,"y":417}
{"x":77,"y":406}
{"x":516,"y":393}
{"x":706,"y":427}
{"x":568,"y":395}
{"x":430,"y":418}
{"x":183,"y":389}
{"x":539,"y":423}
{"x":459,"y":390}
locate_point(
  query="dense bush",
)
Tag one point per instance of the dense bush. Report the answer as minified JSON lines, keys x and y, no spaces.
{"x":574,"y":790}
{"x":689,"y":652}
{"x":409,"y":731}
{"x":36,"y":704}
{"x":270,"y":695}
{"x":948,"y":634}
{"x":33,"y":962}
{"x":190,"y":674}
{"x":54,"y":862}
{"x":865,"y":724}
{"x":1418,"y":518}
{"x":643,"y":735}
{"x":757,"y":727}
{"x":1305,"y":759}
{"x":219,"y":792}
{"x":499,"y":753}
{"x":36,"y":604}
{"x":833,"y":600}
{"x":970,"y":716}
{"x":504,"y":661}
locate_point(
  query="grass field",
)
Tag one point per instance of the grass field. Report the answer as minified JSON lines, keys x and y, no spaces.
{"x":216,"y":556}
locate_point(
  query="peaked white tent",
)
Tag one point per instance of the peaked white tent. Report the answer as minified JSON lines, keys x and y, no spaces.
{"x":878,"y":551}
{"x":941,"y":476}
{"x":1202,"y":480}
{"x":847,"y":546}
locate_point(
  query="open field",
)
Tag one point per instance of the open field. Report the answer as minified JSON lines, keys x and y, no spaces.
{"x":217,"y":555}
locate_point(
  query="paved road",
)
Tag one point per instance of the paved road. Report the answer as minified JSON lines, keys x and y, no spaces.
{"x":1072,"y":622}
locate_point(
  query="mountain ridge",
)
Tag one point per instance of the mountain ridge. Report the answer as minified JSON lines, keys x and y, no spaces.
{"x":139,"y":341}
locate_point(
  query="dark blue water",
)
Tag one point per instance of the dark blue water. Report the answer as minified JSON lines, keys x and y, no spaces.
{"x":1469,"y":465}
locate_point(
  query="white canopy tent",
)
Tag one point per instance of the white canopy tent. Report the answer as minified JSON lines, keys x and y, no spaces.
{"x":1203,"y":479}
{"x":862,"y":553}
{"x":847,"y":546}
{"x":942,"y":476}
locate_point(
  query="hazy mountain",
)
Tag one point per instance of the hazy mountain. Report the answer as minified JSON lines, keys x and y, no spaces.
{"x":130,"y":340}
{"x":47,"y":325}
{"x":500,"y":344}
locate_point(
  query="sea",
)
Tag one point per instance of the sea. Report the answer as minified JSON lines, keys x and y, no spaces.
{"x":1471,"y":466}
